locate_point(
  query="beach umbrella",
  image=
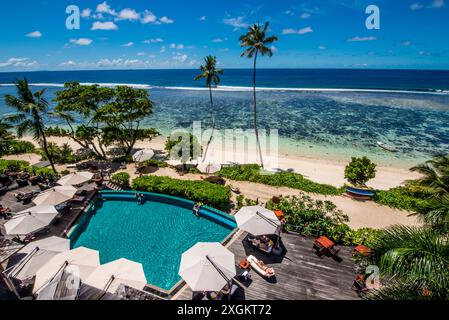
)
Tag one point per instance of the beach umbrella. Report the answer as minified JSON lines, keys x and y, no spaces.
{"x":55,"y":196}
{"x":109,"y":276}
{"x":207,"y":266}
{"x":143,"y":155}
{"x":80,"y":262}
{"x":76,"y":178}
{"x":209,"y":167}
{"x":30,"y":220}
{"x":257,"y":220}
{"x":27,"y":261}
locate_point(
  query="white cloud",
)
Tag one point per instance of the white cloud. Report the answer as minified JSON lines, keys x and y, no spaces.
{"x":416,"y":6}
{"x":274,"y":49}
{"x":218,"y":40}
{"x":162,"y":49}
{"x":361,"y":39}
{"x":406,"y":43}
{"x":305,"y":15}
{"x":300,"y":31}
{"x":141,"y":54}
{"x":129,"y":44}
{"x":322,"y":48}
{"x":179,"y":57}
{"x":18,"y":62}
{"x":203,"y":18}
{"x":166,"y":20}
{"x":108,"y":25}
{"x":69,"y":63}
{"x":289,"y":13}
{"x":34,"y":34}
{"x":238,"y":22}
{"x":154,"y":40}
{"x":104,"y":7}
{"x":128,"y":14}
{"x":86,"y":13}
{"x":148,"y":17}
{"x":179,"y":46}
{"x":81,"y":41}
{"x":437,"y":4}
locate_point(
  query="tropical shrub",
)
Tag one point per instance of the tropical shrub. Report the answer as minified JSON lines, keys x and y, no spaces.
{"x":401,"y":198}
{"x":20,"y":147}
{"x":13,"y":165}
{"x":46,"y":173}
{"x":182,"y":140}
{"x":360,"y":170}
{"x":63,"y":154}
{"x":155,"y":163}
{"x":251,"y":172}
{"x":121,"y":179}
{"x":199,"y":191}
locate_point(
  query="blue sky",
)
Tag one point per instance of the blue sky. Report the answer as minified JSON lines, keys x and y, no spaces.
{"x":119,"y":34}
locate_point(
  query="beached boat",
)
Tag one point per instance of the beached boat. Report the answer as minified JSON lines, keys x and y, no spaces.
{"x":387,"y":146}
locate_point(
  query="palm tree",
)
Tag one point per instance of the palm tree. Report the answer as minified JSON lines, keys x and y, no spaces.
{"x":414,"y":261}
{"x":434,"y":183}
{"x":30,"y":107}
{"x":212,"y":76}
{"x":256,"y":41}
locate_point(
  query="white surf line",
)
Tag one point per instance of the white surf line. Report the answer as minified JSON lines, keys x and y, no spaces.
{"x":242,"y":89}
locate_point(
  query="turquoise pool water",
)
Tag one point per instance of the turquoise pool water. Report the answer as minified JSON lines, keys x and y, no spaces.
{"x":154,"y":234}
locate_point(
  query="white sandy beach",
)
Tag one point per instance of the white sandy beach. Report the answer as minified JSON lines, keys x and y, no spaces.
{"x":362,"y":214}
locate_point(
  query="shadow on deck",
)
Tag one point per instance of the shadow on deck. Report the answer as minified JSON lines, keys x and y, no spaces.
{"x":300,"y":273}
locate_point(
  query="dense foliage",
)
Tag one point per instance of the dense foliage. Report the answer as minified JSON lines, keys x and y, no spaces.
{"x":109,"y":116}
{"x":360,"y":170}
{"x":201,"y":191}
{"x":63,"y":154}
{"x":182,"y":146}
{"x":252,"y":172}
{"x":401,"y":198}
{"x":18,"y":165}
{"x":12,"y":147}
{"x":315,"y":217}
{"x":121,"y":179}
{"x":154,"y":163}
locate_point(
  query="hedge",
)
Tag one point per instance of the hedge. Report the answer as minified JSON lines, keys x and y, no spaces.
{"x":201,"y":191}
{"x":121,"y":179}
{"x":251,"y":172}
{"x":401,"y":198}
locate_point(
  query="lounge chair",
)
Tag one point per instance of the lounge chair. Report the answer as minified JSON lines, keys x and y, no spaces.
{"x":260,"y":267}
{"x":262,"y":244}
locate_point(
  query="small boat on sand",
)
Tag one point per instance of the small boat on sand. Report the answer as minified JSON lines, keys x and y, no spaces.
{"x":387,"y":146}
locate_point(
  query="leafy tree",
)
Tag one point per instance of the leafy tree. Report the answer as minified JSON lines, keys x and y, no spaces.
{"x":360,"y":170}
{"x":182,"y":141}
{"x":30,"y":107}
{"x":414,"y":263}
{"x":256,"y":41}
{"x":212,"y":77}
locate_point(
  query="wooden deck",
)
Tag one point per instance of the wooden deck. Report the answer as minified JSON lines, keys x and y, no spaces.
{"x":300,"y":274}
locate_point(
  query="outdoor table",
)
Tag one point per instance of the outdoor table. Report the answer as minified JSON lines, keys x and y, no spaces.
{"x":362,"y":250}
{"x":323,"y":243}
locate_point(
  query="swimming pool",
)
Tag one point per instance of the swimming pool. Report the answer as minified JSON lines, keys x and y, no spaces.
{"x":154,"y":233}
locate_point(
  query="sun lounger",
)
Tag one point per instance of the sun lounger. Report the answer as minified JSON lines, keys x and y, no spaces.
{"x":260,"y":267}
{"x":262,"y":245}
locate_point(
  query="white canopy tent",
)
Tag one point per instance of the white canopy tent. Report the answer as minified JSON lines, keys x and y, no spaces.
{"x":80,"y":262}
{"x":109,"y":276}
{"x":76,"y":178}
{"x":207,"y":266}
{"x":30,"y":220}
{"x":143,"y":155}
{"x":55,"y":196}
{"x":34,"y":256}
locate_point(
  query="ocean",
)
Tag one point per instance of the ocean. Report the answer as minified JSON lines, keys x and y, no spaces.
{"x":326,"y":113}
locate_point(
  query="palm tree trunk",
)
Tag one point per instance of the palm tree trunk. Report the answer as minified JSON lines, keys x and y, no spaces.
{"x":213,"y":122}
{"x":256,"y":130}
{"x":45,"y":145}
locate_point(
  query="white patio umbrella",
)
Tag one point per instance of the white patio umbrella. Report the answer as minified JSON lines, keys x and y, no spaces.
{"x":209,"y":167}
{"x":33,"y":256}
{"x":207,"y":266}
{"x":257,"y":220}
{"x":109,"y":276}
{"x":76,"y":178}
{"x":143,"y":155}
{"x":30,"y":220}
{"x":55,"y":196}
{"x":80,"y":262}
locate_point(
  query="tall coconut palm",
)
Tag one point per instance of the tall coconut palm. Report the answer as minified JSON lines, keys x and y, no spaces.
{"x":435,"y":183}
{"x":412,"y":258}
{"x":255,"y":41}
{"x":212,"y":76}
{"x":28,"y":119}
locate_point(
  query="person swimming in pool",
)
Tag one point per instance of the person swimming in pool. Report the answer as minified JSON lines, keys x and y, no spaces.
{"x":139,"y":198}
{"x":196,"y":209}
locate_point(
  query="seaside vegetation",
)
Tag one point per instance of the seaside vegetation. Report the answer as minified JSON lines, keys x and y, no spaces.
{"x":401,"y":198}
{"x":252,"y":173}
{"x":359,"y":171}
{"x":200,"y":191}
{"x":63,"y":154}
{"x":121,"y":179}
{"x":310,"y":217}
{"x":99,"y":117}
{"x":180,"y":141}
{"x":255,"y":41}
{"x":19,"y":165}
{"x":28,"y":117}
